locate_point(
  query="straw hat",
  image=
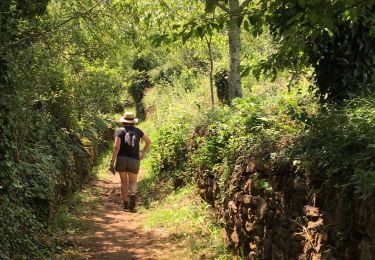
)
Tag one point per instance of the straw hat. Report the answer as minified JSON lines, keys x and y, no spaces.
{"x":128,"y":117}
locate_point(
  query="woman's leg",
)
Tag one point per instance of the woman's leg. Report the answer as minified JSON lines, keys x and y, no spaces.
{"x":124,"y":185}
{"x":133,"y":182}
{"x":133,"y":189}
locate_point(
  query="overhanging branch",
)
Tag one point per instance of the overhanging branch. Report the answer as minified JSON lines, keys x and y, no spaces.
{"x":56,"y":27}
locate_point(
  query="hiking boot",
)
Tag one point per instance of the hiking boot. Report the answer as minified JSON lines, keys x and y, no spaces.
{"x":125,"y":205}
{"x":132,"y":202}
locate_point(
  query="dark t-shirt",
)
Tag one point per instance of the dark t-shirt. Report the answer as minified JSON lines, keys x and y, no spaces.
{"x":130,"y":138}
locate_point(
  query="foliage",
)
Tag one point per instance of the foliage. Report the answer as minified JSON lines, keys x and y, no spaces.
{"x":55,"y":85}
{"x":231,"y":130}
{"x":340,"y":144}
{"x":336,"y":38}
{"x":140,"y":82}
{"x":192,"y":223}
{"x":170,"y":154}
{"x":221,"y":84}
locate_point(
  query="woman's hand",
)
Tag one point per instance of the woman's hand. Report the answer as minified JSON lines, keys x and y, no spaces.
{"x":112,"y":167}
{"x":142,"y":155}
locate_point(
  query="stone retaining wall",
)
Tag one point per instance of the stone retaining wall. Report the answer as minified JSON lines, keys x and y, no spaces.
{"x":275,"y":212}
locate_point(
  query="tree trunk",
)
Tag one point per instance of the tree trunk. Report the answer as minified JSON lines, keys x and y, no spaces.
{"x":208,"y":41}
{"x":234,"y":35}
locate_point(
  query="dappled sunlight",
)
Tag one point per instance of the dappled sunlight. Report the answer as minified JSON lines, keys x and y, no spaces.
{"x":117,"y":234}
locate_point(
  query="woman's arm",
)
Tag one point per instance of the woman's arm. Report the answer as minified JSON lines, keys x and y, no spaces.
{"x":116,"y":148}
{"x":147,"y":141}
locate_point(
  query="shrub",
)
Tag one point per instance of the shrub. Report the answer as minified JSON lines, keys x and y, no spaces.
{"x":340,"y":144}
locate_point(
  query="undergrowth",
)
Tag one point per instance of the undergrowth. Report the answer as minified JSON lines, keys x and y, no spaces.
{"x":190,"y":221}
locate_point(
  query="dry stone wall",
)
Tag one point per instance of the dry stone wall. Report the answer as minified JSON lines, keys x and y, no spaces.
{"x":272,"y":211}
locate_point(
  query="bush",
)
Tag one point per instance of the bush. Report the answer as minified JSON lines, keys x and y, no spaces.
{"x":170,"y":152}
{"x":341,"y":144}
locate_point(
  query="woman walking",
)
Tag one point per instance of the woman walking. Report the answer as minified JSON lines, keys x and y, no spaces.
{"x":126,"y":157}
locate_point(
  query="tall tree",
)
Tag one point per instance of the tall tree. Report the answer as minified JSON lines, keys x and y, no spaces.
{"x":234,"y":10}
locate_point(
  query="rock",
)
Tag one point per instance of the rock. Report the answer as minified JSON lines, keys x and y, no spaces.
{"x":252,"y":246}
{"x":261,"y":209}
{"x":238,"y":196}
{"x":311,"y":212}
{"x":250,"y":168}
{"x":232,"y":206}
{"x":246,"y":200}
{"x":250,"y":214}
{"x":247,"y":187}
{"x":253,"y":255}
{"x":234,"y":237}
{"x":254,"y":201}
{"x":314,"y":224}
{"x":249,"y":226}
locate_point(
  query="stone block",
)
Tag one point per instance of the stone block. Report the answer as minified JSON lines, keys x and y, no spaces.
{"x":311,"y":212}
{"x":247,"y":187}
{"x":246,"y":200}
{"x":254,"y":201}
{"x":232,"y":206}
{"x":249,"y":226}
{"x":315,"y":224}
{"x":251,"y":167}
{"x":261,"y":208}
{"x":234,"y":237}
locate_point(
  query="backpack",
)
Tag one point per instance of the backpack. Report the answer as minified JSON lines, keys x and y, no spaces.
{"x":130,"y":138}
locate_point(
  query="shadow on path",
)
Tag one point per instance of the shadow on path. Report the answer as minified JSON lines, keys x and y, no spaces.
{"x":118,"y":234}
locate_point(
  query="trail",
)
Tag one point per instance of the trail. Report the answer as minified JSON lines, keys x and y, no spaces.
{"x":115,"y":233}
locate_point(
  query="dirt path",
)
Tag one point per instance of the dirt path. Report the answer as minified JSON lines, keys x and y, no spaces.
{"x":115,"y":233}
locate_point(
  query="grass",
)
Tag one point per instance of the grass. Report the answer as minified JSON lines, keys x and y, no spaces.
{"x":183,"y":216}
{"x":67,"y":224}
{"x":101,"y":170}
{"x":189,"y":221}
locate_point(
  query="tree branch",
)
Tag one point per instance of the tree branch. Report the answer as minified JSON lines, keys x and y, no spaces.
{"x":56,"y":27}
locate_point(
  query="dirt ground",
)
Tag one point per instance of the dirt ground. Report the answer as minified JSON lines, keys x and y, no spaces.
{"x":114,"y":233}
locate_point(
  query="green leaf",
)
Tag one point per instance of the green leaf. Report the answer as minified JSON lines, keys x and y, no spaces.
{"x":245,"y":72}
{"x":186,"y":36}
{"x":199,"y":31}
{"x":246,"y":25}
{"x":210,"y":6}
